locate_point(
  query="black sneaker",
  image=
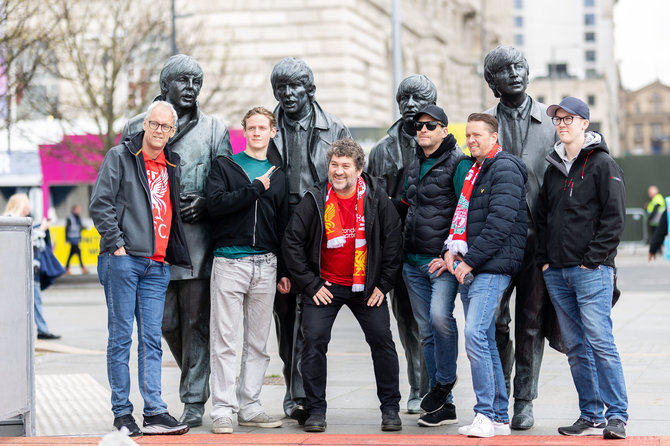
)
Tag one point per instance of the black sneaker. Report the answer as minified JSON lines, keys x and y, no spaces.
{"x":299,"y":413}
{"x":128,"y":422}
{"x":615,"y":430}
{"x":391,"y":421}
{"x":315,"y":423}
{"x":582,"y":427}
{"x":444,"y":415}
{"x":163,"y":424}
{"x":436,"y":397}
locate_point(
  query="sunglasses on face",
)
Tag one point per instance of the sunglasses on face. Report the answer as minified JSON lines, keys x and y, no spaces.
{"x":430,"y":125}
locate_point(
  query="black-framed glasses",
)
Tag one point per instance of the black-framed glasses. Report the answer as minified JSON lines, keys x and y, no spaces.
{"x":153,"y":125}
{"x":430,"y":125}
{"x":567,"y":120}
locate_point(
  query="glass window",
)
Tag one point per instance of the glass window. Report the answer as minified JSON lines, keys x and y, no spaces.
{"x":518,"y":21}
{"x":591,"y":73}
{"x":589,"y":3}
{"x":589,"y":37}
{"x":590,"y":55}
{"x":540,"y":99}
{"x":518,"y":4}
{"x":589,"y":19}
{"x":591,"y":100}
{"x":518,"y":39}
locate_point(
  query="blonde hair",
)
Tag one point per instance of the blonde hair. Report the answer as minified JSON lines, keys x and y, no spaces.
{"x":16,"y":204}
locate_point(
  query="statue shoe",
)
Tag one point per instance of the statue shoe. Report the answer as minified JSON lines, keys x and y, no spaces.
{"x":523,"y":415}
{"x":192,"y":415}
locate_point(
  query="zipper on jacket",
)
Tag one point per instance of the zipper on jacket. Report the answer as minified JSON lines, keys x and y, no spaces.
{"x":253,"y":237}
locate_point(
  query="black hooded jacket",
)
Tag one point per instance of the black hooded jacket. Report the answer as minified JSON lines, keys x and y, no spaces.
{"x":581,"y":213}
{"x":431,"y":199}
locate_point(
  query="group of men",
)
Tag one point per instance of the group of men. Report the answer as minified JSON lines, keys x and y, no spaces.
{"x":194,"y":238}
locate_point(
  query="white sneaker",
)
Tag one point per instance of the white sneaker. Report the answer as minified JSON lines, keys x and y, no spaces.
{"x":501,"y":428}
{"x":481,"y":427}
{"x":223,"y":425}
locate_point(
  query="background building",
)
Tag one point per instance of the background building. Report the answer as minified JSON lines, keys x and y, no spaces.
{"x":645,"y":121}
{"x":570,"y":49}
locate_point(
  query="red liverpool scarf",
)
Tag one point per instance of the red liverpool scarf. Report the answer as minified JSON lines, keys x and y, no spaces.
{"x":335,"y":237}
{"x":457,"y":242}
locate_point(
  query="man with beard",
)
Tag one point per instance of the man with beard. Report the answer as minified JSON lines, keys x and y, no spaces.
{"x":199,"y":139}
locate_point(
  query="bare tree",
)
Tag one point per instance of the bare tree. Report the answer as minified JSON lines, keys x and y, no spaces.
{"x":109,"y":55}
{"x":26,"y":38}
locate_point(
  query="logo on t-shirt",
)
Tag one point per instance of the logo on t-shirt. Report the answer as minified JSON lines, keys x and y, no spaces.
{"x":159,"y":185}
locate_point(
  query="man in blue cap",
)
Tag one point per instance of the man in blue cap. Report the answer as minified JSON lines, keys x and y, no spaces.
{"x":581,"y":216}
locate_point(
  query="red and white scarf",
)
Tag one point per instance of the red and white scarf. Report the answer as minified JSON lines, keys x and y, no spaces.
{"x":335,"y":236}
{"x":457,"y":242}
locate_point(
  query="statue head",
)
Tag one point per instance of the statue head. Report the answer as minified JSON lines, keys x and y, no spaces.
{"x":293,"y":86}
{"x":180,"y":82}
{"x":414,"y":93}
{"x":506,"y":72}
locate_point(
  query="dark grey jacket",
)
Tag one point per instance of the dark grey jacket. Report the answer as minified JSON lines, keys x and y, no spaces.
{"x":121,"y":204}
{"x":385,"y":162}
{"x":198,"y":144}
{"x":327,"y":129}
{"x":539,"y":143}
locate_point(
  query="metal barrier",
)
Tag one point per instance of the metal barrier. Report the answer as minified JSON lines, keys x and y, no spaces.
{"x":635,"y":232}
{"x":17,"y":359}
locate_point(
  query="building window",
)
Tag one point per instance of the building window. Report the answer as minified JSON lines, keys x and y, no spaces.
{"x":589,"y":37}
{"x":591,"y":73}
{"x":637,"y":107}
{"x":558,"y":70}
{"x":589,"y":3}
{"x":518,"y":39}
{"x":518,"y":4}
{"x":518,"y":21}
{"x":657,"y":130}
{"x":540,"y":99}
{"x":657,"y":103}
{"x":591,"y":100}
{"x":595,"y":126}
{"x":638,"y":133}
{"x":590,"y":55}
{"x":589,"y":19}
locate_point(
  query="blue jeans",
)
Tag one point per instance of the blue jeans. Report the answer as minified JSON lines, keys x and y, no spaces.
{"x":480,"y":300}
{"x":134,"y":289}
{"x":583,"y":302}
{"x":432,"y":300}
{"x":41,"y":324}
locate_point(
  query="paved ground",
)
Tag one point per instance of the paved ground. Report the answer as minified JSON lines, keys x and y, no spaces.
{"x":73,"y":394}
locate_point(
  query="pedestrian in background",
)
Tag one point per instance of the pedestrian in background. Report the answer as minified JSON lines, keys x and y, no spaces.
{"x":73,"y":229}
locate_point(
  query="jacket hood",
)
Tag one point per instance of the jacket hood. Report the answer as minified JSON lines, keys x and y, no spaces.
{"x":448,"y":143}
{"x":134,"y":143}
{"x":592,"y":141}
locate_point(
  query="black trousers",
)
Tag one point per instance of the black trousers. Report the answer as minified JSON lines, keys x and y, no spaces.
{"x":287,"y":317}
{"x":186,"y":330}
{"x":530,"y":317}
{"x":317,"y":324}
{"x":74,"y":250}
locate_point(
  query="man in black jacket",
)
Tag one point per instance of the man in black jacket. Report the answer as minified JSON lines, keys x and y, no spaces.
{"x":580,"y":221}
{"x":487,"y":239}
{"x":342,"y":247}
{"x":134,"y":206}
{"x":249,"y":220}
{"x":430,"y":194}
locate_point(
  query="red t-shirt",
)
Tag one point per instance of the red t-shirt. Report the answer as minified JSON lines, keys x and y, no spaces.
{"x":161,"y":205}
{"x":337,"y":265}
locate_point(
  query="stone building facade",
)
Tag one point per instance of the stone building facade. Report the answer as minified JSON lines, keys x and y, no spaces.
{"x":645,"y":121}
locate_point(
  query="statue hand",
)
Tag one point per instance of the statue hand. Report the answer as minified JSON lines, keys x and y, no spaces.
{"x":193,"y":208}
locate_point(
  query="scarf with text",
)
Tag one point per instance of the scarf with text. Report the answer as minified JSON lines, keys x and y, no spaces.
{"x":335,"y":237}
{"x":457,"y":242}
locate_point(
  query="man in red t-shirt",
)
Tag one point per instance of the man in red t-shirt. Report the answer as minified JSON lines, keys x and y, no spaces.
{"x":342,"y":247}
{"x":140,"y":237}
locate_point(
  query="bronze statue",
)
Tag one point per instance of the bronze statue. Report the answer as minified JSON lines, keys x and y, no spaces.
{"x":198,"y":141}
{"x":304,"y":134}
{"x":525,"y":131}
{"x":388,"y":162}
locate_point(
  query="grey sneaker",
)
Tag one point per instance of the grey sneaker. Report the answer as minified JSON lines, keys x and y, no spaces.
{"x":223,"y":425}
{"x":260,"y":420}
{"x":615,"y":430}
{"x":582,"y":427}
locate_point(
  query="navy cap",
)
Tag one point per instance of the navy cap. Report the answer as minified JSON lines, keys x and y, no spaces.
{"x":434,"y":112}
{"x":571,"y":105}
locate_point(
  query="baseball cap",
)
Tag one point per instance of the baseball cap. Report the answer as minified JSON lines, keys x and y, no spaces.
{"x":571,"y":105}
{"x":434,"y":112}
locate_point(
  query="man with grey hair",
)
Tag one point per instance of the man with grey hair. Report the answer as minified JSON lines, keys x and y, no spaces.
{"x":342,"y":247}
{"x":133,"y":207}
{"x":526,"y":132}
{"x":388,"y":162}
{"x":198,"y":140}
{"x":304,"y":134}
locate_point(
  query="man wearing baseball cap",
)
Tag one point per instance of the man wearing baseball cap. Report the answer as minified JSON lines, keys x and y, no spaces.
{"x":580,"y":221}
{"x":431,"y":194}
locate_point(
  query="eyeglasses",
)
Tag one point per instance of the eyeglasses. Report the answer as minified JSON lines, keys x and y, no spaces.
{"x":567,"y":120}
{"x":153,"y":125}
{"x":430,"y":125}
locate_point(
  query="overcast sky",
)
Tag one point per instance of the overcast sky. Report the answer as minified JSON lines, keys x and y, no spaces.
{"x":642,"y":41}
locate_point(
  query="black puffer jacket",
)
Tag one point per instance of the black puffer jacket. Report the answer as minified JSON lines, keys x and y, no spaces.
{"x":497,"y":216}
{"x":581,"y":213}
{"x":432,"y":200}
{"x":302,"y":241}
